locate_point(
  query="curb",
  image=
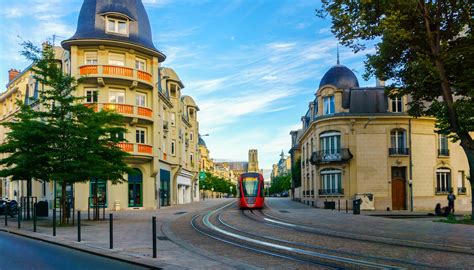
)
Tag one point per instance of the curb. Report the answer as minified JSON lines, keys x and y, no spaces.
{"x":77,"y":248}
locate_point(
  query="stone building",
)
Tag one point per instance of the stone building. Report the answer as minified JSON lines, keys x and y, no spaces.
{"x":118,"y":68}
{"x":356,"y":142}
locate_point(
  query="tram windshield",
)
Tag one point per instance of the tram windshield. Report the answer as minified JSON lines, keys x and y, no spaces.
{"x":250,"y":186}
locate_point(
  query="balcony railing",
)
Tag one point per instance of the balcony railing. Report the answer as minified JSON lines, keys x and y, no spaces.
{"x":122,"y":109}
{"x":136,"y":148}
{"x":443,"y":152}
{"x":399,"y":151}
{"x":330,"y":156}
{"x":109,"y":70}
{"x":442,"y":190}
{"x":337,"y":191}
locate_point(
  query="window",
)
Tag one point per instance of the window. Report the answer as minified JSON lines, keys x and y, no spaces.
{"x":90,"y":58}
{"x":141,"y":135}
{"x":191,"y":136}
{"x":173,"y":147}
{"x":173,"y":89}
{"x":396,"y":103}
{"x":443,"y":145}
{"x":92,"y":96}
{"x":330,"y":145}
{"x":331,"y":182}
{"x":173,"y":119}
{"x":328,"y":105}
{"x":140,"y":64}
{"x":140,"y":100}
{"x":191,"y":159}
{"x":117,"y":97}
{"x":43,"y":189}
{"x":117,"y":26}
{"x":120,"y":136}
{"x":461,"y":183}
{"x":398,"y":142}
{"x":443,"y":180}
{"x":191,"y":113}
{"x":117,"y":59}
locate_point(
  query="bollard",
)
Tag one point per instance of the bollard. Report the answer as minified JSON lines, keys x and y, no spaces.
{"x":78,"y":226}
{"x":34,"y":219}
{"x":89,"y":210}
{"x":103,"y":212}
{"x":154,"y":236}
{"x":339,"y":205}
{"x":6,"y":214}
{"x":19,"y":217}
{"x":347,"y":210}
{"x":54,"y":221}
{"x":111,"y":230}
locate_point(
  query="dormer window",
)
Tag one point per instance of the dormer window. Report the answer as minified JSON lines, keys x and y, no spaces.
{"x":117,"y":26}
{"x":328,"y":103}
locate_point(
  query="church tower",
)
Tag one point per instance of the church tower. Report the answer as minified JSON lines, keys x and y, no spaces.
{"x":253,"y":161}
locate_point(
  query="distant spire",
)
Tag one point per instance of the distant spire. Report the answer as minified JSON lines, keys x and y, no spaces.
{"x":338,"y":63}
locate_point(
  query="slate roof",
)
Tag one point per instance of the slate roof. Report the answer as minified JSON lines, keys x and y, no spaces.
{"x":339,"y":76}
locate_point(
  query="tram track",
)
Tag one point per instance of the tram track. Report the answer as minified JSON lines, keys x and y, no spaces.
{"x":276,"y":247}
{"x":271,"y":220}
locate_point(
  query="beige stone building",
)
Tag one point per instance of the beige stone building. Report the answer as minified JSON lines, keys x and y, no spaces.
{"x":356,"y":142}
{"x":118,"y":68}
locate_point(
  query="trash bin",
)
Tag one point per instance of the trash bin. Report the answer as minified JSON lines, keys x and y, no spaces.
{"x":42,"y":209}
{"x":356,"y":206}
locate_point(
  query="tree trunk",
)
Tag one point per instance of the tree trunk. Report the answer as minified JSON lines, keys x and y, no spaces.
{"x":470,"y":158}
{"x":63,"y":202}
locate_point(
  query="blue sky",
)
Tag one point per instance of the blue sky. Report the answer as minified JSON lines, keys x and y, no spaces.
{"x":251,"y":65}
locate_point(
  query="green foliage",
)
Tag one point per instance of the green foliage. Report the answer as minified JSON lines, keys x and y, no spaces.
{"x":59,"y":138}
{"x":219,"y":184}
{"x":296,"y":173}
{"x":280,"y":183}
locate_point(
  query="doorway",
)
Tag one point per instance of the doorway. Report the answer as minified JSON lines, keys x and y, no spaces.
{"x":135,"y":182}
{"x":398,"y":188}
{"x":164,"y":188}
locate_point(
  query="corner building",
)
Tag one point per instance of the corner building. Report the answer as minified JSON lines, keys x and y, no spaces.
{"x":356,"y":142}
{"x":118,"y":68}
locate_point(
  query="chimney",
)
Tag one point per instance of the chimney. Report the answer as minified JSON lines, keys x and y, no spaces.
{"x":379,"y":83}
{"x":12,"y":73}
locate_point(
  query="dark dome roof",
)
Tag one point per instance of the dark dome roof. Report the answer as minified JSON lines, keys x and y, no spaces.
{"x":91,"y":24}
{"x":340,"y":77}
{"x":201,"y":142}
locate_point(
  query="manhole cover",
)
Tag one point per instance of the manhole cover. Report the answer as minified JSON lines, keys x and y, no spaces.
{"x":284,"y":211}
{"x":163,"y":238}
{"x":179,"y":213}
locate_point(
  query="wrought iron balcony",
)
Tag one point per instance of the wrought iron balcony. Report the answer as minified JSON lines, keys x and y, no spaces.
{"x":443,"y":152}
{"x":399,"y":151}
{"x":331,"y":156}
{"x":337,"y":191}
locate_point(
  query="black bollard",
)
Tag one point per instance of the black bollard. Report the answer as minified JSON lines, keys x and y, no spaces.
{"x":339,"y":205}
{"x":6,"y":214}
{"x":89,"y":210}
{"x":54,"y":221}
{"x":154,"y":236}
{"x":103,"y":212}
{"x":34,"y":219}
{"x":347,"y":210}
{"x":19,"y":217}
{"x":111,"y":230}
{"x":78,"y":226}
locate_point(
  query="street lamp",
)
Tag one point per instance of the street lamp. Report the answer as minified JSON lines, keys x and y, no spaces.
{"x":212,"y":189}
{"x":231,"y":190}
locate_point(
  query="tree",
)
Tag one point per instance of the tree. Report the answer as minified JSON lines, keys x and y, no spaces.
{"x":296,"y":173}
{"x":280,"y":183}
{"x":77,"y":144}
{"x":426,"y":48}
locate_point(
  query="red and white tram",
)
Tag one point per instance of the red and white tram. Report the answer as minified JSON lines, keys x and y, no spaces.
{"x":251,"y":191}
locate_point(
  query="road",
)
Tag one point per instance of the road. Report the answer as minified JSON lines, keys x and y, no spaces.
{"x":23,"y":253}
{"x":287,"y":235}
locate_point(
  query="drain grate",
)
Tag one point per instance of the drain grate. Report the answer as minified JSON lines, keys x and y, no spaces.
{"x":180,"y":213}
{"x":163,"y":238}
{"x":284,"y":211}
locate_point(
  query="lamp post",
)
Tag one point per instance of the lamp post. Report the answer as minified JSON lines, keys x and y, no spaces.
{"x":212,"y":189}
{"x":231,"y":190}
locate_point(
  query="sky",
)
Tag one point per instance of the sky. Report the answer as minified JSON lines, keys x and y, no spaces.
{"x":252,"y":66}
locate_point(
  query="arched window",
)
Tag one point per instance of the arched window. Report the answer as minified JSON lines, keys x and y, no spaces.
{"x":331,"y":182}
{"x":330,"y":144}
{"x":443,"y":180}
{"x":398,"y":142}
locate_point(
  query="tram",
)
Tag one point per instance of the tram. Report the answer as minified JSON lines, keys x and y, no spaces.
{"x":251,"y":192}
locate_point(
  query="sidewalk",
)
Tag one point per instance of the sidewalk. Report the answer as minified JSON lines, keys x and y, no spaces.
{"x":132,"y":236}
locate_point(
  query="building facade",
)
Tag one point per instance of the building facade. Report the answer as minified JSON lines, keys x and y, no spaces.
{"x":113,"y":57}
{"x":356,"y":142}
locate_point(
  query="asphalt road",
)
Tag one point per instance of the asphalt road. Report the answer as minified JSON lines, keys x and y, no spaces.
{"x":22,"y":253}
